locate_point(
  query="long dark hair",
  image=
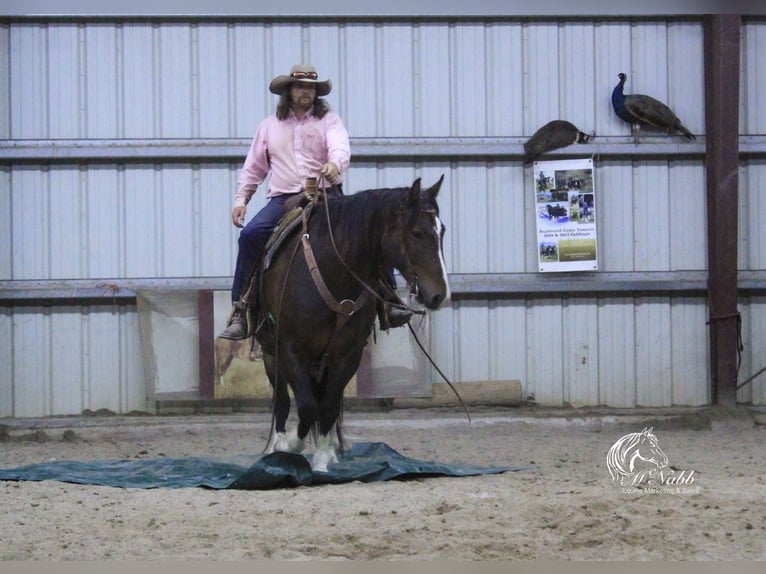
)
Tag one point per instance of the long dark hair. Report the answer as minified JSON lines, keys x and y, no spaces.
{"x":321,"y":107}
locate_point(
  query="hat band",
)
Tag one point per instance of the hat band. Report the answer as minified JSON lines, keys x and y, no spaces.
{"x":304,"y":75}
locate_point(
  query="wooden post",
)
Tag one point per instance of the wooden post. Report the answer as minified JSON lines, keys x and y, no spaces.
{"x":722,"y":63}
{"x":206,"y":345}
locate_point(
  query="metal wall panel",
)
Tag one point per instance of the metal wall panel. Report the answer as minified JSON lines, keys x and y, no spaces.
{"x":689,"y":346}
{"x":8,"y":380}
{"x":6,"y":227}
{"x":440,"y":78}
{"x":753,"y":310}
{"x":505,"y":105}
{"x":751,"y":249}
{"x":649,"y":351}
{"x":117,"y":221}
{"x":617,"y":352}
{"x":185,"y":80}
{"x":752,"y":116}
{"x":68,"y":359}
{"x":5,"y":82}
{"x":171,"y":220}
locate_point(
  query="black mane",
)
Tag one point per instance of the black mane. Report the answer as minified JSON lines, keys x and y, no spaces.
{"x":361,"y":216}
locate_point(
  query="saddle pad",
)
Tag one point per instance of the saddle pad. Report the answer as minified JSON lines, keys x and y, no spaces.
{"x":283,"y":229}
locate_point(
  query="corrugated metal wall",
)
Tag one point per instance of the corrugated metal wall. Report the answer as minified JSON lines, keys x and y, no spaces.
{"x":169,"y":218}
{"x":752,"y":208}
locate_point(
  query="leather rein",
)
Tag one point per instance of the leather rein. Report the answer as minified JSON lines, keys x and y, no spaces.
{"x":345,"y":308}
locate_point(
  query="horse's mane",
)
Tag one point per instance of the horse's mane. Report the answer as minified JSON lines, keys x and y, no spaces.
{"x":361,"y":215}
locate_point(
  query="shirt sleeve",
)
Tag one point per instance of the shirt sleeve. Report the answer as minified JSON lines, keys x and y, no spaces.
{"x":255,"y":167}
{"x":338,"y":147}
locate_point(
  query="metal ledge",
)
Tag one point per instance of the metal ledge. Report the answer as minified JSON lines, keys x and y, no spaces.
{"x":153,"y":150}
{"x":576,"y":284}
{"x":463,"y":286}
{"x":234,"y":150}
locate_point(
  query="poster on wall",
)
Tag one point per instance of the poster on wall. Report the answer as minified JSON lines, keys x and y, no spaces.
{"x":565,"y":206}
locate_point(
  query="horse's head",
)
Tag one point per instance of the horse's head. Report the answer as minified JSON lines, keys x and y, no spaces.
{"x":649,"y":448}
{"x":418,"y":250}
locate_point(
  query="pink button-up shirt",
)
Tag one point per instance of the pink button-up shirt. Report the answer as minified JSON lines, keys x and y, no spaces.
{"x":292,"y":150}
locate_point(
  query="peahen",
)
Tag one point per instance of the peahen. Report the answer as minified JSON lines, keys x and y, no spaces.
{"x":553,"y":135}
{"x":639,"y":109}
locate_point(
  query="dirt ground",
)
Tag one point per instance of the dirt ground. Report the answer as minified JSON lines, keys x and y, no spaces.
{"x":565,"y":507}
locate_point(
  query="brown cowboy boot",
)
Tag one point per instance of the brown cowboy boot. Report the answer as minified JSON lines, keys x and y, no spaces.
{"x":390,"y":316}
{"x":397,"y":317}
{"x":236,"y":326}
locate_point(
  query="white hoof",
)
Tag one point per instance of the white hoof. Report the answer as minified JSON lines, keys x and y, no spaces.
{"x":326,"y":452}
{"x":287,"y":442}
{"x":322,"y":459}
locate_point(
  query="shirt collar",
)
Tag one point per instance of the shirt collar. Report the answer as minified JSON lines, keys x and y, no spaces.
{"x":308,"y":114}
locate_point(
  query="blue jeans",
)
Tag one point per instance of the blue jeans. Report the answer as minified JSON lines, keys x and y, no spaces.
{"x":252,"y":241}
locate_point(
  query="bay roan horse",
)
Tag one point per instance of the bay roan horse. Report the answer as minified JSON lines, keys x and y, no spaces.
{"x":315,"y":349}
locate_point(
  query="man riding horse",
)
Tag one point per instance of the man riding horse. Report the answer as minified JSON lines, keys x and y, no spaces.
{"x":303,"y":139}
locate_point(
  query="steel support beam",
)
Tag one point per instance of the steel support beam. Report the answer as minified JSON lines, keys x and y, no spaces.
{"x":722,"y":59}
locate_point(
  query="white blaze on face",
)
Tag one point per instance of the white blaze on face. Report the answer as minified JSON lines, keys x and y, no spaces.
{"x":438,"y":229}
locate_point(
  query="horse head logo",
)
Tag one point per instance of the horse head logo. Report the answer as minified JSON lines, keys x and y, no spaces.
{"x":633,"y":453}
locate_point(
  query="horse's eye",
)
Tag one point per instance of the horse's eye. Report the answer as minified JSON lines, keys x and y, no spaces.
{"x":417,"y":234}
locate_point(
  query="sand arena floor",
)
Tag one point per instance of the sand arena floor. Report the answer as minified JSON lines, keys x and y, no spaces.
{"x":566,"y":507}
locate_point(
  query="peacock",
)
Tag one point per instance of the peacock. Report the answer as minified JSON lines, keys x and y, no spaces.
{"x":553,"y":135}
{"x":639,"y":109}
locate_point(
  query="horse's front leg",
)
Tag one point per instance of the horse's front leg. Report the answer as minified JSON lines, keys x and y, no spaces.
{"x":326,"y":451}
{"x":330,"y":406}
{"x":281,"y":440}
{"x":292,"y":369}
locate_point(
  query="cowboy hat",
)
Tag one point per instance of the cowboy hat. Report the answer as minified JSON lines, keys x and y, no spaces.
{"x":300,"y":73}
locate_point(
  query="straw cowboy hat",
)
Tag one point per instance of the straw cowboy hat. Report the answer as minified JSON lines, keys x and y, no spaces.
{"x":300,"y":73}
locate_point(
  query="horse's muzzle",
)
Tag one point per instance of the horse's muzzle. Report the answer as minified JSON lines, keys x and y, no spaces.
{"x":433,"y":301}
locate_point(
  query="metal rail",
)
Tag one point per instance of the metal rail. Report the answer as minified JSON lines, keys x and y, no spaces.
{"x":463,"y":286}
{"x":158,"y":150}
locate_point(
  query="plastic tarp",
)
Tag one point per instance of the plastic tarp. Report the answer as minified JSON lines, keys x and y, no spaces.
{"x":365,"y":462}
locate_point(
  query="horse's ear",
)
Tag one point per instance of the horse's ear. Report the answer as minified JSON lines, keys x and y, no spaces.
{"x":433,"y":191}
{"x":414,"y":196}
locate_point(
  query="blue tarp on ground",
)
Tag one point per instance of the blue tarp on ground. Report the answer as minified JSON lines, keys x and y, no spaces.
{"x":365,"y":462}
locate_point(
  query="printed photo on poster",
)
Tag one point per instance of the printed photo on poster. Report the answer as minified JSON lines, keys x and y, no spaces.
{"x":565,"y":202}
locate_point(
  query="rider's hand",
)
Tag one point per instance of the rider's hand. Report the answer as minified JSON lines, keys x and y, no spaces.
{"x":330,"y":172}
{"x":238,"y":216}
